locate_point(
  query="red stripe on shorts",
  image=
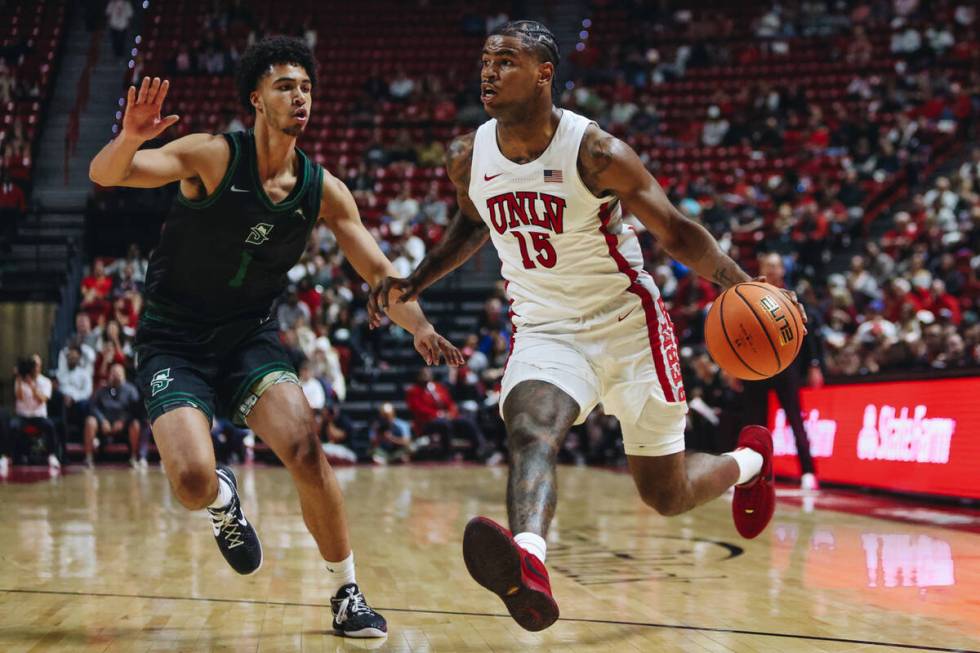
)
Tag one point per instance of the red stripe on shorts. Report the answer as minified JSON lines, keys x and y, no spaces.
{"x":649,"y":308}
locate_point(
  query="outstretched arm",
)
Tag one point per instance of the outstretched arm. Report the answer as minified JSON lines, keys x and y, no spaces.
{"x":200,"y":158}
{"x":465,"y":236}
{"x":339,"y":211}
{"x":609,"y":165}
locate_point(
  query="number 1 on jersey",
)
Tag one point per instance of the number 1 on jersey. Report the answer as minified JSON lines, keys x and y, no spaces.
{"x":239,"y":278}
{"x":546,"y":255}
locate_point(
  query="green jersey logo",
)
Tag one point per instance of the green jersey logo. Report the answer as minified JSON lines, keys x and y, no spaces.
{"x":160,"y":381}
{"x":259,"y":233}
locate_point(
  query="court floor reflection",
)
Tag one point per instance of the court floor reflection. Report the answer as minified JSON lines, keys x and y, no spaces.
{"x":108,"y":561}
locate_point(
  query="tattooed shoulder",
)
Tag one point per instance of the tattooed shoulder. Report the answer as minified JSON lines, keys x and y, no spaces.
{"x":459,"y":156}
{"x":595,"y":156}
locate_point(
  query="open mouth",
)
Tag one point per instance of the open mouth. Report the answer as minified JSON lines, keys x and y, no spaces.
{"x":301,"y":114}
{"x":487,"y":93}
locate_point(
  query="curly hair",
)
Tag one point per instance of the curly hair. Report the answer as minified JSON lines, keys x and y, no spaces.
{"x":271,"y":51}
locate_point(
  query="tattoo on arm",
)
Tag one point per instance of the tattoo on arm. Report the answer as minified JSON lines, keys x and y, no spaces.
{"x":595,"y":156}
{"x":724,"y":277}
{"x":467,"y":231}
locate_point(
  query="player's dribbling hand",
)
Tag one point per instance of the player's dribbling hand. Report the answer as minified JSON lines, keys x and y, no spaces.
{"x":379,"y":299}
{"x":792,"y":297}
{"x":433,"y":347}
{"x":142,"y":120}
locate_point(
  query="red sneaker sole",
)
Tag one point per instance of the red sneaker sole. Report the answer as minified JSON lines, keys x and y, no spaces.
{"x":494,"y":561}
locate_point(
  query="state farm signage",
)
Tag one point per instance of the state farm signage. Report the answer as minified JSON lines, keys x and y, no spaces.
{"x":910,"y":436}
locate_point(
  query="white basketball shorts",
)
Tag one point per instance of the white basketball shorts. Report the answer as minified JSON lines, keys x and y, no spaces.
{"x":625,"y":357}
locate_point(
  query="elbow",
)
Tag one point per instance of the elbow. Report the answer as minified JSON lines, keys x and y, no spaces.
{"x":95,"y":177}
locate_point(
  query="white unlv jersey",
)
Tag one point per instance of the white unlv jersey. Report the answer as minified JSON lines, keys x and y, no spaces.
{"x":565,"y":253}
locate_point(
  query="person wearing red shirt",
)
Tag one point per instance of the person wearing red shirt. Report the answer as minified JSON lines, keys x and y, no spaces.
{"x":435,"y":413}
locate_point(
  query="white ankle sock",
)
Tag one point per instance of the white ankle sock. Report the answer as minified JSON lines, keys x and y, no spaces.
{"x":340,"y":573}
{"x":225,"y":493}
{"x":749,"y":463}
{"x":533,"y":544}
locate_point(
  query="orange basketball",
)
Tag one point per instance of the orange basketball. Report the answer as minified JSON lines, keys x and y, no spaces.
{"x":753,"y":331}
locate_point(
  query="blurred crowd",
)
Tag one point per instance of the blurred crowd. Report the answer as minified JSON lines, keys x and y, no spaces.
{"x":891,"y":292}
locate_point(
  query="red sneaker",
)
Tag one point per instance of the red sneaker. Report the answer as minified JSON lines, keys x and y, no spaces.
{"x":755,"y":501}
{"x":495,"y":561}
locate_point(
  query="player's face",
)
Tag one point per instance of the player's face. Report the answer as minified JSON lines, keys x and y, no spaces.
{"x":510,"y":76}
{"x":284,"y":98}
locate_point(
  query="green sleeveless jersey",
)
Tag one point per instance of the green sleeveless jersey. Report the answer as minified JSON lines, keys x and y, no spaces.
{"x":225,"y":257}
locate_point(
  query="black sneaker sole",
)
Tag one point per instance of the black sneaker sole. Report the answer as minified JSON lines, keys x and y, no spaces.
{"x":492,"y":558}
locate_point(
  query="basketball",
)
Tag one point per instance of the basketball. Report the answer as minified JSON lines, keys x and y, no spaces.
{"x":753,"y":331}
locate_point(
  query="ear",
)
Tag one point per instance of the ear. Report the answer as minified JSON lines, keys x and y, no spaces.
{"x":546,"y":72}
{"x":254,"y":98}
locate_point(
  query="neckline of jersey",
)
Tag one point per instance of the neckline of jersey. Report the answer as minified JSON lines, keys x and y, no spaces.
{"x":518,"y":166}
{"x":294,"y":196}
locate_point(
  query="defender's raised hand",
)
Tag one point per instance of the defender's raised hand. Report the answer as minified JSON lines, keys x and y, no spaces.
{"x":142,"y":119}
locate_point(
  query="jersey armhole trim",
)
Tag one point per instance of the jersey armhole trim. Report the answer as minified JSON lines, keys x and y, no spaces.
{"x":229,"y":175}
{"x":317,"y":192}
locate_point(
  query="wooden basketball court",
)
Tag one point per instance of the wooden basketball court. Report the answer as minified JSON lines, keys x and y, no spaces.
{"x":108,"y":561}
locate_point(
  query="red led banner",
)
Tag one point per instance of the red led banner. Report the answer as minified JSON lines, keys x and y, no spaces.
{"x":908,"y":436}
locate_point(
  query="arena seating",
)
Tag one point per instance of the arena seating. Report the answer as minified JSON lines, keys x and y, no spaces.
{"x":30,"y":37}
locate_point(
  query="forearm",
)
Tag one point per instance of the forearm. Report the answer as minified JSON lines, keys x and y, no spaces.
{"x":698,"y":250}
{"x":463,"y":239}
{"x":111,"y":165}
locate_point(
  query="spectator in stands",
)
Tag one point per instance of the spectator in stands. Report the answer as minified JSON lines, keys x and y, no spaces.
{"x":110,"y":353}
{"x":391,"y":437}
{"x":403,"y":207}
{"x":339,"y":434}
{"x":787,"y":383}
{"x":12,"y":205}
{"x":715,"y":128}
{"x":430,"y":153}
{"x":75,"y":382}
{"x":401,"y":87}
{"x":115,"y":412}
{"x":403,"y":150}
{"x":8,"y":82}
{"x":434,"y":207}
{"x":119,"y":13}
{"x":436,"y":414}
{"x":291,"y":310}
{"x":96,"y":288}
{"x":32,"y":390}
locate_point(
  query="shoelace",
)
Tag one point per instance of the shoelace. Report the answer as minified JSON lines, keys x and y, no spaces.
{"x":353,"y":604}
{"x":227,"y":525}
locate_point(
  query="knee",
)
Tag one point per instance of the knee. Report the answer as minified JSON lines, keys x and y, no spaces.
{"x":665,"y":501}
{"x":194,"y":485}
{"x":304,"y":454}
{"x":527,"y":436}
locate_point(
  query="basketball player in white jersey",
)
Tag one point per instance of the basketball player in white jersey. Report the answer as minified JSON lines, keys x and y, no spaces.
{"x":549,"y":188}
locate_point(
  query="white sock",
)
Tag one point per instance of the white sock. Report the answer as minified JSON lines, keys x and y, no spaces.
{"x":749,"y":463}
{"x":340,"y":574}
{"x":533,"y":544}
{"x":225,"y":493}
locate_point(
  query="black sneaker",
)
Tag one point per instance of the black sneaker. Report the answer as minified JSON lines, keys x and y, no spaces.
{"x":236,"y":538}
{"x":353,"y":617}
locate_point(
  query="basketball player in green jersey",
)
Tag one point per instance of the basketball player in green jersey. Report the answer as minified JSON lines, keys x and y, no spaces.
{"x":208,"y":340}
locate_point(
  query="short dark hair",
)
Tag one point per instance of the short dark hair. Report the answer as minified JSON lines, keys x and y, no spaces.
{"x":537,"y":38}
{"x":271,"y":51}
{"x":25,"y":366}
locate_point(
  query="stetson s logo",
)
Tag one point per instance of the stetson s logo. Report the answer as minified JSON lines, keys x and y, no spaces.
{"x":775,"y":312}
